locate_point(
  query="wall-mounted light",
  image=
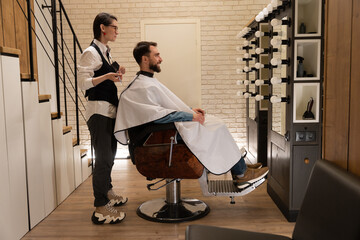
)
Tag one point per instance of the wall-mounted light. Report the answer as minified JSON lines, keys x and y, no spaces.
{"x":276,"y":42}
{"x":277,"y":80}
{"x":277,"y":22}
{"x":278,"y":62}
{"x":277,"y":99}
{"x":261,"y":82}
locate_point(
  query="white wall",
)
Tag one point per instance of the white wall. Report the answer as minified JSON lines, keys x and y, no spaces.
{"x":13,"y":198}
{"x":220,"y":22}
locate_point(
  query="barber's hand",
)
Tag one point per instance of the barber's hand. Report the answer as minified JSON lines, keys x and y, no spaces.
{"x":199,"y":110}
{"x":121,"y":70}
{"x":198,"y":117}
{"x":115,"y":77}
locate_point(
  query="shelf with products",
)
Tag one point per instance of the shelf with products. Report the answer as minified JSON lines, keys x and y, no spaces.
{"x":307,"y":59}
{"x":308,"y":18}
{"x":306,"y":104}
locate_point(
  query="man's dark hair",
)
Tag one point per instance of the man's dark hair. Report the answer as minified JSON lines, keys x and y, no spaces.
{"x":142,"y":49}
{"x":102,"y":18}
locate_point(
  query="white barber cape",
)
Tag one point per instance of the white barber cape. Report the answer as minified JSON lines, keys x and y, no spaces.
{"x":146,"y":100}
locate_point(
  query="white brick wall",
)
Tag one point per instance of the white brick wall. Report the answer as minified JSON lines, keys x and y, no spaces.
{"x":220,"y":22}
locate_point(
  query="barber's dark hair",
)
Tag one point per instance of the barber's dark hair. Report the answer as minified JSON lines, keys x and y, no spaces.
{"x":102,"y":18}
{"x":142,"y":49}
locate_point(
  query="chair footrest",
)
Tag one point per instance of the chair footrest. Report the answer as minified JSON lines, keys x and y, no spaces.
{"x":225,"y":187}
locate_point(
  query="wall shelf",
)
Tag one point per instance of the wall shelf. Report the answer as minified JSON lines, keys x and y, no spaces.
{"x":309,"y":50}
{"x":303,"y":93}
{"x":308,"y":18}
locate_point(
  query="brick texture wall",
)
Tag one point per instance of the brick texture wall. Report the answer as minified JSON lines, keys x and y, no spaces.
{"x":220,"y":22}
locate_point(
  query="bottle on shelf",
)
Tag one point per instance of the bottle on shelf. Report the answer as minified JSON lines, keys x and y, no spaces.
{"x":302,"y":29}
{"x":300,"y":67}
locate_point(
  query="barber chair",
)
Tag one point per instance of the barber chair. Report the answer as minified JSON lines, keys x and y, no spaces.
{"x":157,"y":153}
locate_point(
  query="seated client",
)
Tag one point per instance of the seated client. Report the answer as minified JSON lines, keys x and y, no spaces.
{"x":147,"y":100}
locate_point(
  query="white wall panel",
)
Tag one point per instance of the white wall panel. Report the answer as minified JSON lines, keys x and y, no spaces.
{"x":33,"y":154}
{"x":47,"y":157}
{"x":16,"y":224}
{"x":5,"y":203}
{"x":64,"y":161}
{"x":77,"y":166}
{"x":70,"y":173}
{"x":85,"y":169}
{"x":60,"y":156}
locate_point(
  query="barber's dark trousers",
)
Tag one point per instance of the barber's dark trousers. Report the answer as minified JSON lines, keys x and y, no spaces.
{"x":104,"y":143}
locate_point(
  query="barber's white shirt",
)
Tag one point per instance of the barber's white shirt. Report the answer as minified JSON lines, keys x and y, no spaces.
{"x":90,"y":61}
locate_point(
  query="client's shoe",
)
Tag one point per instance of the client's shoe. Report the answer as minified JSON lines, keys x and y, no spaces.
{"x":250,"y":176}
{"x":107,"y":214}
{"x":254,"y":166}
{"x":116,"y":200}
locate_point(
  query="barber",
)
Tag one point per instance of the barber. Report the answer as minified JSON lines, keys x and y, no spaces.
{"x":98,"y":75}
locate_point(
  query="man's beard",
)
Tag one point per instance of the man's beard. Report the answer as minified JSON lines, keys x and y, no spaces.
{"x":155,"y":67}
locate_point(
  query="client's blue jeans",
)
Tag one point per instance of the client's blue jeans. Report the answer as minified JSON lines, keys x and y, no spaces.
{"x":239,"y":168}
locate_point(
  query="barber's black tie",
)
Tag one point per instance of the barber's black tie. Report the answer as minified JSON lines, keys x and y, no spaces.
{"x":108,"y":55}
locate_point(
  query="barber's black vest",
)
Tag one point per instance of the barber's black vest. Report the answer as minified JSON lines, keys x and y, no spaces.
{"x":107,"y":90}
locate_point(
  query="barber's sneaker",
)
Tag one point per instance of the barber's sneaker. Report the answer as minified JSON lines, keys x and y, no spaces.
{"x":250,"y":176}
{"x":107,"y":214}
{"x":254,"y":166}
{"x":116,"y":200}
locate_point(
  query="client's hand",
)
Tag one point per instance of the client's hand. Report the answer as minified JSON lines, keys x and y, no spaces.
{"x":199,"y":110}
{"x":198,"y":117}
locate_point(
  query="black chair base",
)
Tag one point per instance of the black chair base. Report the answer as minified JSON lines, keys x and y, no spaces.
{"x":158,"y":210}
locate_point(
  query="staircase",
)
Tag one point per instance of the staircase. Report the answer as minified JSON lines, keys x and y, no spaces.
{"x":40,"y":166}
{"x":41,"y":162}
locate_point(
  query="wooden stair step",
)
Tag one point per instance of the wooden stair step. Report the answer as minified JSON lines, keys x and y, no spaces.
{"x":90,"y":163}
{"x":66,"y":129}
{"x":74,"y":141}
{"x":12,"y":51}
{"x":55,"y":114}
{"x":83,"y":152}
{"x":44,"y":97}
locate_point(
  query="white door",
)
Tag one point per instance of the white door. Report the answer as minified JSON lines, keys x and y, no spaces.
{"x":179,"y":46}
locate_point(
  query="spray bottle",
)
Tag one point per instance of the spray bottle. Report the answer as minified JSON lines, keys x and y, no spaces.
{"x":300,"y":67}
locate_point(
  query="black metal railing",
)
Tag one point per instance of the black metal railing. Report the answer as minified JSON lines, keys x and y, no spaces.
{"x":64,"y":60}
